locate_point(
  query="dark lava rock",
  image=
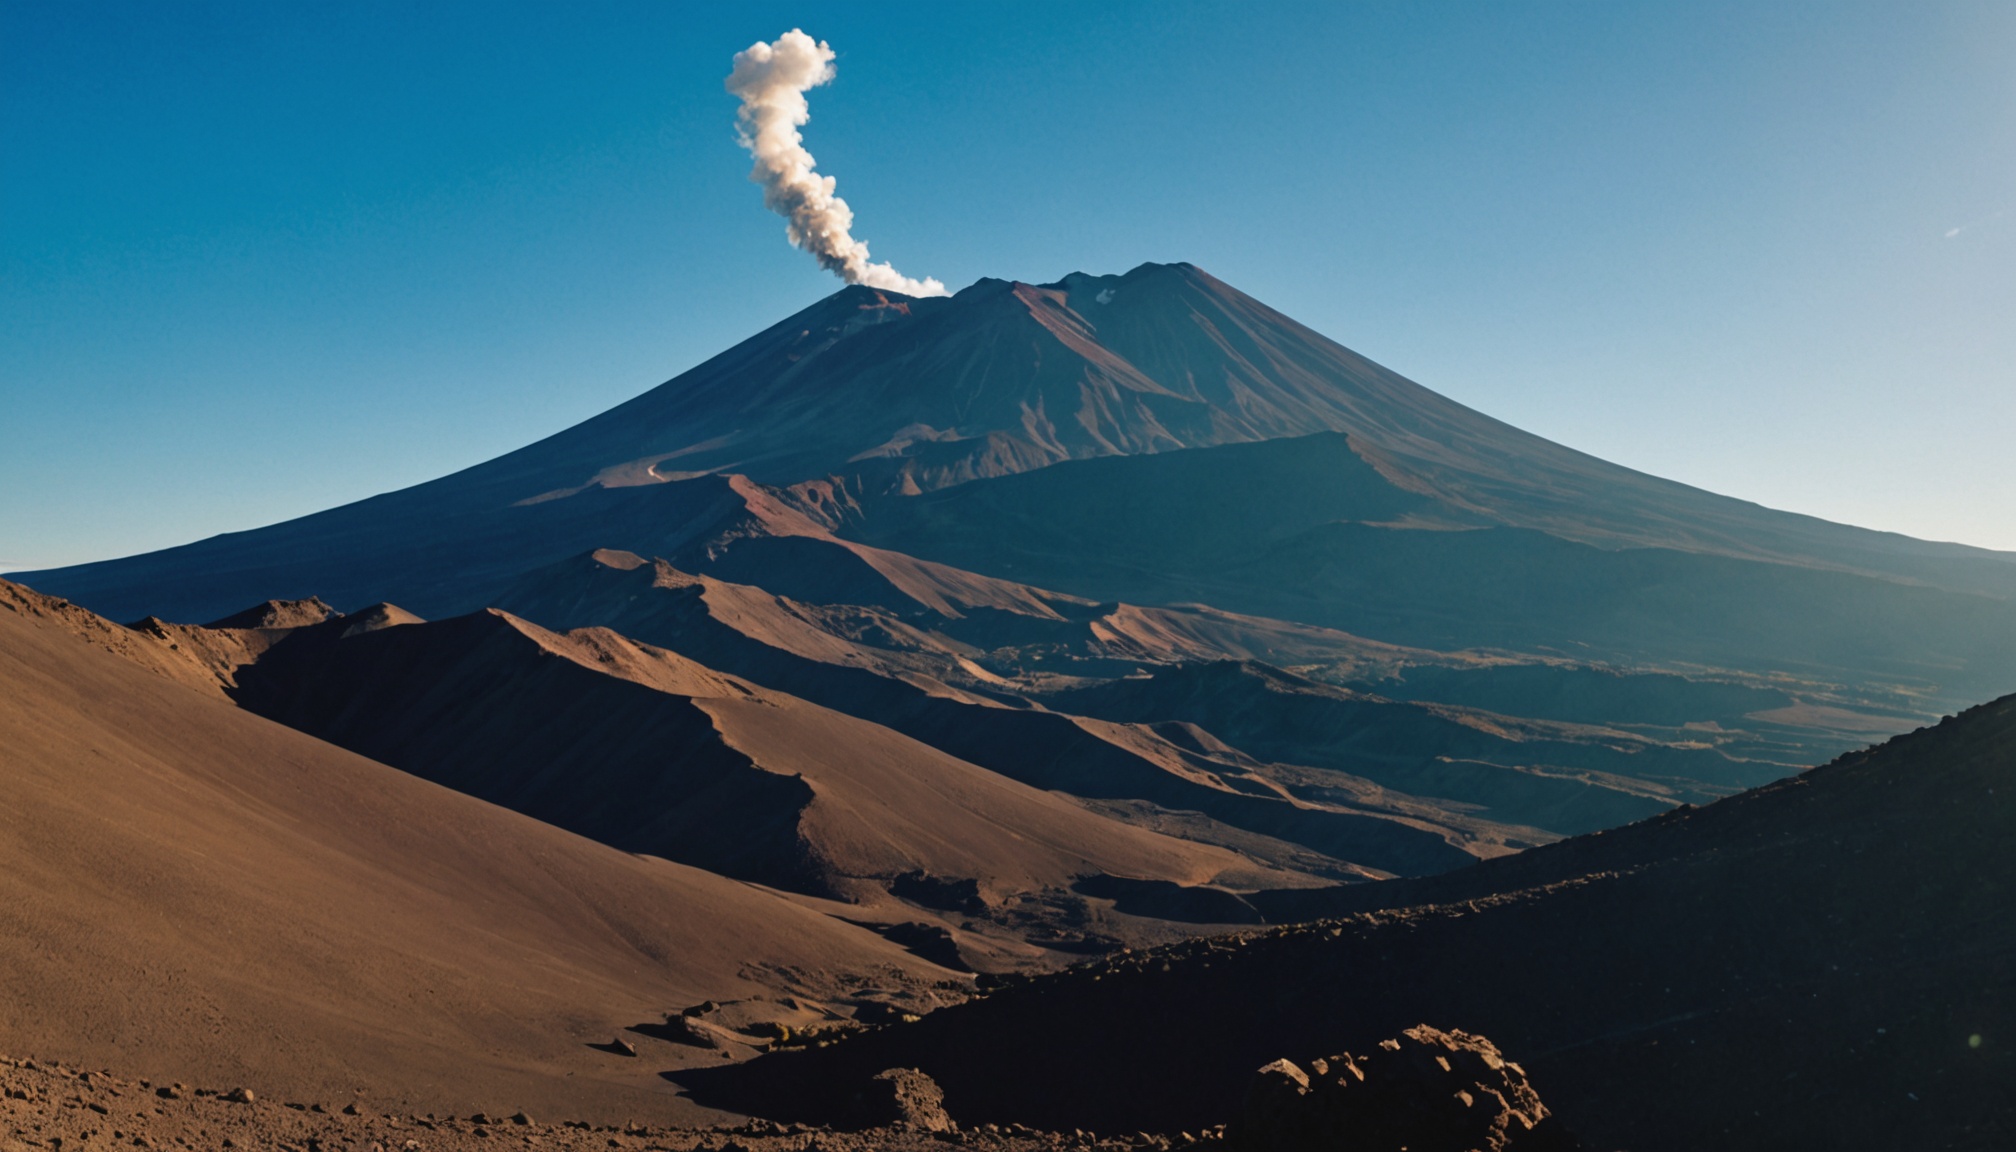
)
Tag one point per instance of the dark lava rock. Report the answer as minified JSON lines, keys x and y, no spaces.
{"x":879,"y":1012}
{"x":929,"y":941}
{"x":1428,"y":1089}
{"x":942,"y":893}
{"x":903,"y":1096}
{"x":1165,"y":900}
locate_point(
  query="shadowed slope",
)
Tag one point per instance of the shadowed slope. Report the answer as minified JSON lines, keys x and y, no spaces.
{"x":776,"y":643}
{"x":1287,"y":736}
{"x":1823,"y":962}
{"x":1306,"y":530}
{"x":1561,"y":777}
{"x":649,"y":751}
{"x":196,"y":893}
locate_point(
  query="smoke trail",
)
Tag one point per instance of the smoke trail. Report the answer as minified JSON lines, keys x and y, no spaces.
{"x":771,"y":80}
{"x":1973,"y":224}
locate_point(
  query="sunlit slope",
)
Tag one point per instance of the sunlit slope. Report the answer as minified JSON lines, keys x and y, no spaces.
{"x":198,"y":894}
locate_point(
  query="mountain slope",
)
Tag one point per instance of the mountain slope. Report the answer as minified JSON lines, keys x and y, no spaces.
{"x":866,"y":395}
{"x":1306,"y":530}
{"x":199,"y":894}
{"x":1530,"y":775}
{"x":648,"y":751}
{"x":1563,"y":778}
{"x":772,"y":642}
{"x":1824,"y":962}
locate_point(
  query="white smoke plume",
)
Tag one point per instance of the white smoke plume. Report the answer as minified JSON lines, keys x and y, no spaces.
{"x":1973,"y":224}
{"x":771,"y":80}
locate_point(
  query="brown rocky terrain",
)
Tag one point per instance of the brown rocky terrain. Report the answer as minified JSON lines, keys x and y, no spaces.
{"x":652,"y":752}
{"x":1423,"y":1089}
{"x":1430,"y":764}
{"x":54,"y":1106}
{"x":648,"y":751}
{"x":1821,"y":962}
{"x":1427,"y":1090}
{"x":49,"y":1105}
{"x":988,"y":719}
{"x":1535,"y":773}
{"x":766,"y":745}
{"x":190,"y":891}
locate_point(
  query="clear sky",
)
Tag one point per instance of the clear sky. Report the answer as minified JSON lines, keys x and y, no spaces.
{"x":259,"y":259}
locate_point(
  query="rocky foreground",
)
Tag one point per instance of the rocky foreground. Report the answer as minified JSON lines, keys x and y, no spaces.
{"x":44,"y":1105}
{"x":1428,"y":1091}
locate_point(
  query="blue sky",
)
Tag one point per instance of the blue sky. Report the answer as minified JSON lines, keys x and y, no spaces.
{"x":260,"y":259}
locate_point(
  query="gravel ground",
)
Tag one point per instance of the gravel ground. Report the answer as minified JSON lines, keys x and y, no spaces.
{"x":45,"y":1105}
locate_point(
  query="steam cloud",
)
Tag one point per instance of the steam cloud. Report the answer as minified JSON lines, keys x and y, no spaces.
{"x":771,"y":80}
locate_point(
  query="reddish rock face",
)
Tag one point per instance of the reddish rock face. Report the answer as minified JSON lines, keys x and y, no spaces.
{"x":1426,"y":1089}
{"x":904,"y":1098}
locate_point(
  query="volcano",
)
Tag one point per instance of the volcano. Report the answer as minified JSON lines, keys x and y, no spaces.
{"x":1156,"y":437}
{"x":1138,"y":540}
{"x":959,"y":639}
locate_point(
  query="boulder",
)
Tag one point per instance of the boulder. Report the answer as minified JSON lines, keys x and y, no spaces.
{"x":1427,"y":1089}
{"x":903,"y":1097}
{"x":697,"y":1032}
